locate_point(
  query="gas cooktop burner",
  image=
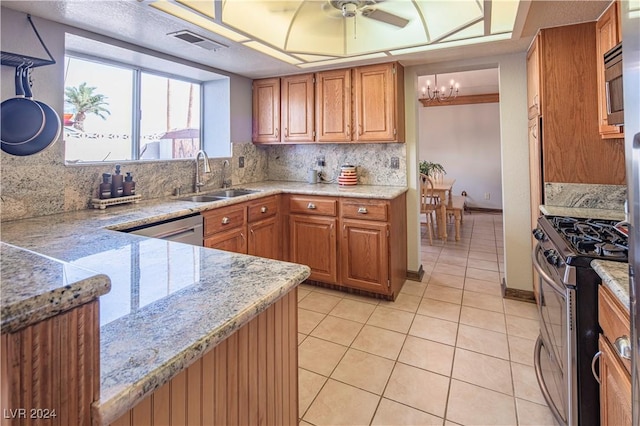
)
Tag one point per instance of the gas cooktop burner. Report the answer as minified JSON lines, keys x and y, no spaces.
{"x":593,"y":237}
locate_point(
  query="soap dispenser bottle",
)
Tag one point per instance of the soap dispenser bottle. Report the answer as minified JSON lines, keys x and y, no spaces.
{"x":117,"y":183}
{"x":129,"y":186}
{"x":105,"y":186}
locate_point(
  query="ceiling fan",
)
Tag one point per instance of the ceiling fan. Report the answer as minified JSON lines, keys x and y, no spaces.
{"x":349,"y":9}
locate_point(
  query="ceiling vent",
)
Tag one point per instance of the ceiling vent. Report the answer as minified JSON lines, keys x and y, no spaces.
{"x":196,"y":40}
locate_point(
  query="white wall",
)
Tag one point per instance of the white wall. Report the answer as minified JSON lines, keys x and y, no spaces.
{"x":465,"y":139}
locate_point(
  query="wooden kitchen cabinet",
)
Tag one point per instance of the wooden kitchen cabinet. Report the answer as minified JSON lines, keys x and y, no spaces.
{"x":615,"y":376}
{"x":263,"y":228}
{"x":364,"y":254}
{"x":266,"y":111}
{"x":608,"y":35}
{"x":297,"y":108}
{"x":333,"y":106}
{"x":225,"y":228}
{"x":313,"y":243}
{"x":572,"y":149}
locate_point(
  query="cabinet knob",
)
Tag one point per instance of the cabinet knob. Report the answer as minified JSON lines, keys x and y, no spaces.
{"x":311,"y":206}
{"x":623,"y":347}
{"x":362,"y":210}
{"x":263,"y":209}
{"x":225,"y":220}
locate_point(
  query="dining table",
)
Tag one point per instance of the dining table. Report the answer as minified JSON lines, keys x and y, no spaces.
{"x":442,"y":188}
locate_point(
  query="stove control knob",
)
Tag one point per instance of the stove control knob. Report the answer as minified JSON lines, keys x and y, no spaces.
{"x":538,"y":234}
{"x":552,"y":257}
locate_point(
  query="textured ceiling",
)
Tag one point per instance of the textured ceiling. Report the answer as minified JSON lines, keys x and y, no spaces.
{"x":137,"y":23}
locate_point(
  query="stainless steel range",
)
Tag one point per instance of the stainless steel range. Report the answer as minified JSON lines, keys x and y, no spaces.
{"x":567,"y":302}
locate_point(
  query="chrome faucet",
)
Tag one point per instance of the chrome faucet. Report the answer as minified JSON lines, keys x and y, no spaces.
{"x":206,"y":169}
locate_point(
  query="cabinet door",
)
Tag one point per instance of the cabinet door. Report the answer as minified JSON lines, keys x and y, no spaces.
{"x":375,"y":103}
{"x":533,"y":78}
{"x":297,"y":101}
{"x":234,"y":240}
{"x":333,"y":106}
{"x":615,"y":388}
{"x":266,"y":111}
{"x":364,"y":255}
{"x":264,"y":238}
{"x":313,"y":243}
{"x":606,"y":38}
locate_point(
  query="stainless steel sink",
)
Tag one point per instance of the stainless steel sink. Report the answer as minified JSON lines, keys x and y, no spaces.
{"x":202,"y":198}
{"x":230,"y":193}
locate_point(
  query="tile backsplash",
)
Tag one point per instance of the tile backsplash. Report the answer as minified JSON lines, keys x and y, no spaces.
{"x":610,"y":197}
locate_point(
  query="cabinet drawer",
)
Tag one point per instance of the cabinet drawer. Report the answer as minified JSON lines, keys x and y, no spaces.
{"x":224,"y":218}
{"x":613,"y":319}
{"x":262,"y":208}
{"x":365,"y":209}
{"x":313,"y":205}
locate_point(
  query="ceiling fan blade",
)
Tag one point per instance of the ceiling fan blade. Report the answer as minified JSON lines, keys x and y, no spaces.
{"x":386,"y":17}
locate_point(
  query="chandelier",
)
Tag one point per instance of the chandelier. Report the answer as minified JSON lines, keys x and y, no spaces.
{"x":439,"y":94}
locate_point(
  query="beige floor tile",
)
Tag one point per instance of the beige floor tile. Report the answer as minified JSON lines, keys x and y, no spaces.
{"x":445,"y":294}
{"x":414,"y":288}
{"x":482,"y":255}
{"x":308,"y":320}
{"x":454,"y":251}
{"x":360,"y":298}
{"x":460,"y":260}
{"x":319,"y":356}
{"x":404,"y":302}
{"x":523,"y":327}
{"x":363,"y":370}
{"x":525,"y":383}
{"x":483,"y":341}
{"x":481,"y":274}
{"x":391,"y":413}
{"x":447,"y":280}
{"x":337,"y":330}
{"x":443,"y":268}
{"x":487,"y":265}
{"x":483,"y":248}
{"x":530,"y":414}
{"x":472,"y":405}
{"x":482,"y":318}
{"x":482,"y":301}
{"x":303,"y":423}
{"x":391,"y":319}
{"x":353,"y":310}
{"x":418,"y":388}
{"x":309,"y":384}
{"x":434,"y":329}
{"x":439,"y":309}
{"x":485,"y":287}
{"x":428,"y":355}
{"x":482,"y":370}
{"x":520,"y":309}
{"x":378,"y":341}
{"x":319,"y":302}
{"x":329,"y":291}
{"x":301,"y":338}
{"x":302,"y":293}
{"x":341,"y":404}
{"x":521,"y":350}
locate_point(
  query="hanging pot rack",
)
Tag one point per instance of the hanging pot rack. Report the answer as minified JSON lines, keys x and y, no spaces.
{"x":15,"y":59}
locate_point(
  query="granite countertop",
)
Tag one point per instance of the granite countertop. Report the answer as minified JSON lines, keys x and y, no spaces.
{"x":615,"y":275}
{"x":582,"y":212}
{"x":151,"y":321}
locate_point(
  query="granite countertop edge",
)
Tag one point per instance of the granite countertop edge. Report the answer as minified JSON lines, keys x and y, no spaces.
{"x":615,"y":276}
{"x":582,"y":212}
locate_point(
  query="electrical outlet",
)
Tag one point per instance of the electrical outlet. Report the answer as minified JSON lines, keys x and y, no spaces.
{"x":320,"y":161}
{"x":241,"y":162}
{"x":395,"y":163}
{"x":487,"y":196}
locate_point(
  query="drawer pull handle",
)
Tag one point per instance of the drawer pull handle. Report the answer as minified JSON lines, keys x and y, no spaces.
{"x":263,"y":209}
{"x":362,"y":210}
{"x":623,"y":347}
{"x":226,"y":220}
{"x":311,"y":206}
{"x":593,"y":366}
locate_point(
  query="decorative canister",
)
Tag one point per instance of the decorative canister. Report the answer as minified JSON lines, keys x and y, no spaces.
{"x":348,"y":175}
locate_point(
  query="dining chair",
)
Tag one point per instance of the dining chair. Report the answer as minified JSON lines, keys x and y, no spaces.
{"x":429,"y":204}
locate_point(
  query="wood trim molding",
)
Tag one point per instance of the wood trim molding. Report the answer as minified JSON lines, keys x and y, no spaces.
{"x":415,"y":275}
{"x":464,"y":100}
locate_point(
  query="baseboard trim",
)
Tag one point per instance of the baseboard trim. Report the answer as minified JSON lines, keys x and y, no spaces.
{"x":482,"y":210}
{"x":517,"y":294}
{"x":349,"y":290}
{"x":415,"y":275}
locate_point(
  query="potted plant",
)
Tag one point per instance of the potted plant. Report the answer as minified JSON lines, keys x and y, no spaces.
{"x":432,"y":169}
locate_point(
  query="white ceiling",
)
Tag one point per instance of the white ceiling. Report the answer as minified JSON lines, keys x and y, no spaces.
{"x":135,"y":22}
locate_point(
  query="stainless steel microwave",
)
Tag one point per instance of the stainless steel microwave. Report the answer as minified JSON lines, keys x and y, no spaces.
{"x":613,"y":85}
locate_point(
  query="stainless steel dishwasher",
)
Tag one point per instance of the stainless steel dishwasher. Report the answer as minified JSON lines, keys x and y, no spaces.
{"x":186,"y":229}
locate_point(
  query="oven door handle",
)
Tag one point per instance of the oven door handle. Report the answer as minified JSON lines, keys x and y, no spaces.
{"x":545,"y":276}
{"x":543,"y":385}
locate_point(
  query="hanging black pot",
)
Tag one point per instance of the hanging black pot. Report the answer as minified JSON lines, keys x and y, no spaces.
{"x":50,"y":131}
{"x":22,"y":118}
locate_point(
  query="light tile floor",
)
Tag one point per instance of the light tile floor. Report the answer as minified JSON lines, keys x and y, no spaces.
{"x":448,"y":351}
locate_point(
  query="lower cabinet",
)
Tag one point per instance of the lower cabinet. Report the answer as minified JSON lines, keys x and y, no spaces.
{"x":233,"y":240}
{"x":226,"y":228}
{"x":364,"y":255}
{"x":264,"y":238}
{"x":313,"y":243}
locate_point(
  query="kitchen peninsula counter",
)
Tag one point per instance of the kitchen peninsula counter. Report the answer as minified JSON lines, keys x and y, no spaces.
{"x":615,"y":276}
{"x":169,"y":303}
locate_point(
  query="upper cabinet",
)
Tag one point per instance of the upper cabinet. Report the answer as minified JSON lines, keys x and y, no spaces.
{"x":608,"y":35}
{"x":533,"y":79}
{"x":266,"y":110}
{"x":364,"y":104}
